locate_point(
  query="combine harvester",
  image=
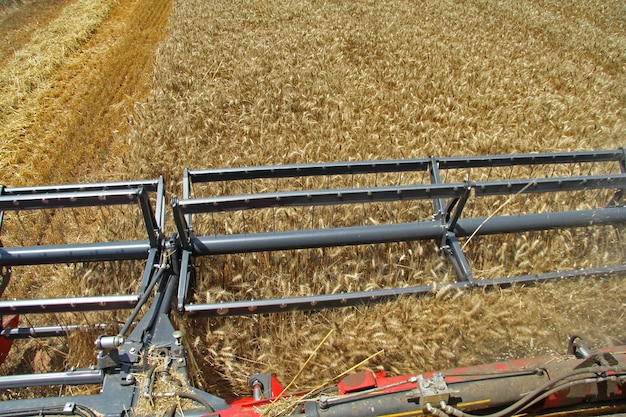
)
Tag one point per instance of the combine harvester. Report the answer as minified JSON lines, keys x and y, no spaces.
{"x":586,"y":382}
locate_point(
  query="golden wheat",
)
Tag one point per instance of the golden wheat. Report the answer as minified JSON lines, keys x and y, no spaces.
{"x":268,"y":82}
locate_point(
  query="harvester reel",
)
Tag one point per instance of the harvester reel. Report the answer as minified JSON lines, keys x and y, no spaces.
{"x":447,"y":192}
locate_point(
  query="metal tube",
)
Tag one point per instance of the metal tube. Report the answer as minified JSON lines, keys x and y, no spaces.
{"x":543,"y":221}
{"x":359,"y":235}
{"x":304,"y":239}
{"x":80,"y":252}
{"x":44,"y":331}
{"x":78,"y":377}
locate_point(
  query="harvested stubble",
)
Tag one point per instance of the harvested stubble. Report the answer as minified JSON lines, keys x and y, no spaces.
{"x":267,"y":82}
{"x":62,"y":130}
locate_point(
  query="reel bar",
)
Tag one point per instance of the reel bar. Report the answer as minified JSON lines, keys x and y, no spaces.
{"x":69,"y":199}
{"x":169,"y":262}
{"x":80,"y":252}
{"x":320,"y":302}
{"x":152,"y":186}
{"x":384,"y":194}
{"x":60,"y":305}
{"x":401,"y":165}
{"x":321,"y":197}
{"x":546,"y":185}
{"x":531,"y":159}
{"x":307,"y":170}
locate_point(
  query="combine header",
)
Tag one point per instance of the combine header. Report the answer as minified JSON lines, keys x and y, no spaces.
{"x":449,"y":201}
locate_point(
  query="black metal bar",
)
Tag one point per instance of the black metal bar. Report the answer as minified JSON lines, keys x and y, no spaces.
{"x":60,"y":305}
{"x":319,"y":302}
{"x":546,"y":185}
{"x":369,"y":167}
{"x":1,"y":211}
{"x":144,"y":297}
{"x":5,"y":276}
{"x":622,"y":160}
{"x":536,"y":278}
{"x":77,"y":377}
{"x":43,"y":331}
{"x":150,"y":221}
{"x":619,"y":194}
{"x":80,"y":252}
{"x":187,"y":183}
{"x":307,"y":170}
{"x":321,"y":197}
{"x":184,"y":229}
{"x":529,"y":159}
{"x":457,"y":205}
{"x":307,"y":303}
{"x":150,"y":185}
{"x":68,"y":199}
{"x":149,"y":269}
{"x":183,"y":283}
{"x":360,"y":235}
{"x":439,"y":203}
{"x":455,"y":253}
{"x":159,"y":211}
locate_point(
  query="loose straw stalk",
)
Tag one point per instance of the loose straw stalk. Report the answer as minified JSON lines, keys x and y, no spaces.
{"x":500,"y":207}
{"x":364,"y":361}
{"x":298,"y":373}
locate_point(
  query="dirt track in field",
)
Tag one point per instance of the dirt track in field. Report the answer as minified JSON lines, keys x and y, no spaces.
{"x":74,"y":124}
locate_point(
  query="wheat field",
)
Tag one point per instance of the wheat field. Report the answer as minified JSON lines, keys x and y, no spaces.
{"x":257,"y":82}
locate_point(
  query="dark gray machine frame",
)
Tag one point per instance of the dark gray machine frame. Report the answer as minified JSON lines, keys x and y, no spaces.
{"x":169,"y":260}
{"x":448,"y":199}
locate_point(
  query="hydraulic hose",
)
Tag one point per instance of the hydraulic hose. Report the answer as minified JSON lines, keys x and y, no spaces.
{"x":156,"y":278}
{"x":197,"y":399}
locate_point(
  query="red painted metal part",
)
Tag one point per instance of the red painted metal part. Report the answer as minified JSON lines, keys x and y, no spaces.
{"x":481,"y":387}
{"x":5,"y":344}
